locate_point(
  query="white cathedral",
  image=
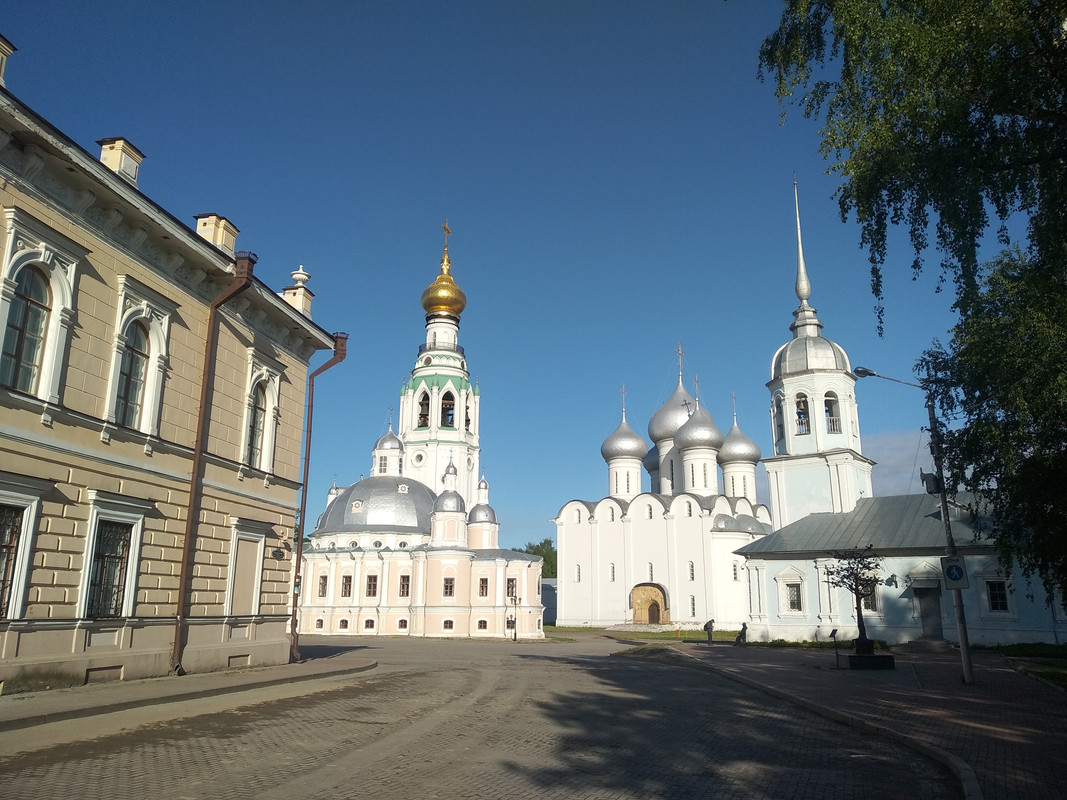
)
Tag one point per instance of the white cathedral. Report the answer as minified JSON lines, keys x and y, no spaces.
{"x":391,"y":555}
{"x":667,"y":555}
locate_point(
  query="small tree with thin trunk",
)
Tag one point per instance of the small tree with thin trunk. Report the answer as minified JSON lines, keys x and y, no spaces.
{"x":858,"y":571}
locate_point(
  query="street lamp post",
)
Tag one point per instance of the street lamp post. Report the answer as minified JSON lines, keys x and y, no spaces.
{"x":950,"y":543}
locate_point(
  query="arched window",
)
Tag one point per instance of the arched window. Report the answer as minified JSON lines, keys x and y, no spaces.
{"x":578,"y":515}
{"x":649,"y":508}
{"x":483,"y":625}
{"x":651,"y":576}
{"x":343,"y":625}
{"x":705,"y":476}
{"x":627,"y":483}
{"x":616,"y":481}
{"x":803,"y":420}
{"x":688,"y":509}
{"x":467,"y":417}
{"x":611,"y":572}
{"x":833,"y":413}
{"x":402,"y":625}
{"x":611,"y":514}
{"x":692,"y":606}
{"x":257,"y":420}
{"x":449,"y":625}
{"x":779,"y":419}
{"x":132,"y":373}
{"x":692,"y":475}
{"x":27,"y":322}
{"x":737,"y":572}
{"x":692,"y":571}
{"x":577,"y":573}
{"x":448,"y":410}
{"x":368,"y":624}
{"x":318,"y":624}
{"x":672,"y":475}
{"x":424,"y":411}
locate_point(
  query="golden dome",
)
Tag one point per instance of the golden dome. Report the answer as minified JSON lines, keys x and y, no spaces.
{"x":443,"y":296}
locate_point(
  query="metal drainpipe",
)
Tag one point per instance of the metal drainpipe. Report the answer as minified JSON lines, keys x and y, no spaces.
{"x":340,"y":347}
{"x":243,"y":267}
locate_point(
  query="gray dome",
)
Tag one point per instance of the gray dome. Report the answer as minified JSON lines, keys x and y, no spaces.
{"x":651,"y":461}
{"x":451,"y":468}
{"x":483,"y":512}
{"x":449,"y":500}
{"x":671,"y":415}
{"x":389,"y":442}
{"x":381,"y":503}
{"x":738,"y":447}
{"x":808,"y":353}
{"x":623,"y":443}
{"x":699,"y":430}
{"x":483,"y":483}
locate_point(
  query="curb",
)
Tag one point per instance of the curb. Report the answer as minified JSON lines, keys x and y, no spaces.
{"x":972,"y":790}
{"x":91,"y":711}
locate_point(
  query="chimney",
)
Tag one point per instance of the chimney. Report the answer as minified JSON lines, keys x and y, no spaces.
{"x":299,"y":295}
{"x":121,"y":157}
{"x":6,"y":49}
{"x":218,"y":230}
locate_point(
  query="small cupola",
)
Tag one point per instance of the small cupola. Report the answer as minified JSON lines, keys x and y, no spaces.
{"x":218,"y":230}
{"x":121,"y":157}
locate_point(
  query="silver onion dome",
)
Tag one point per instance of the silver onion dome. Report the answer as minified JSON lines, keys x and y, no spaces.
{"x":651,"y":461}
{"x":380,"y":504}
{"x":699,"y":430}
{"x":389,"y":441}
{"x":808,"y":353}
{"x":624,"y":442}
{"x":483,"y":512}
{"x":671,"y":415}
{"x":449,"y":500}
{"x":738,"y":447}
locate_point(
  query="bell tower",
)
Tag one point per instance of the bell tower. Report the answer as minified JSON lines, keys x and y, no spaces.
{"x":817,"y":463}
{"x":438,"y":422}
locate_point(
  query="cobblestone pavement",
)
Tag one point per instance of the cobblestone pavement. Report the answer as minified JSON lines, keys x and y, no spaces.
{"x":481,"y":720}
{"x":1009,"y":727}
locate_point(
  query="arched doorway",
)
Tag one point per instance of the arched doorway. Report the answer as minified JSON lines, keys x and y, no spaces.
{"x":653,"y":613}
{"x":649,"y":602}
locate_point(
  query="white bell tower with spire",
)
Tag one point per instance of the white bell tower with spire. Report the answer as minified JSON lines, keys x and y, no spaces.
{"x":438,"y":420}
{"x":817,"y":464}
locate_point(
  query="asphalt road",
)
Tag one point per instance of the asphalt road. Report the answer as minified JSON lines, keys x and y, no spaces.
{"x":441,"y":719}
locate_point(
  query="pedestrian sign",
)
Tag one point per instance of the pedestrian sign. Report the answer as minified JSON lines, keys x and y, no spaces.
{"x":955,"y":572}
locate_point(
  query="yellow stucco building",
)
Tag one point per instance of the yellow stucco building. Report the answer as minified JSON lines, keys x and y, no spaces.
{"x":116,"y":316}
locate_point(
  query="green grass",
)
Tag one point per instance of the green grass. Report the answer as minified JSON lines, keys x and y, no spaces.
{"x":1046,"y":661}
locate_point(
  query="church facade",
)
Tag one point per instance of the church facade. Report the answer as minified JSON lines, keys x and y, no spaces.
{"x":392,"y":556}
{"x":667,"y":554}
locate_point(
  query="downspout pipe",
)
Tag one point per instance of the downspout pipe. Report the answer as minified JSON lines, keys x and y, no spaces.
{"x":340,"y":348}
{"x":244,"y":265}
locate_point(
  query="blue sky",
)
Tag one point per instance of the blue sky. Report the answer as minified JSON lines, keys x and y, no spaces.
{"x":615,"y":175}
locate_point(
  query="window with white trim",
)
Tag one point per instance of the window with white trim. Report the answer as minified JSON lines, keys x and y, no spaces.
{"x":24,"y":335}
{"x":791,"y":588}
{"x":20,"y":500}
{"x":248,"y":540}
{"x":343,"y":625}
{"x":346,"y":586}
{"x":139,"y":359}
{"x":483,"y":625}
{"x":35,"y":346}
{"x":112,"y":555}
{"x":402,"y":625}
{"x":692,"y":605}
{"x":448,"y":625}
{"x":261,"y":413}
{"x":997,"y":595}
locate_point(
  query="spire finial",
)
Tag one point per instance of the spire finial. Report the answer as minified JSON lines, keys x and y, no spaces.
{"x":390,"y":419}
{"x":696,"y":386}
{"x":622,"y":391}
{"x":733,"y":397}
{"x":445,"y":263}
{"x":803,"y":285}
{"x":680,"y":353}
